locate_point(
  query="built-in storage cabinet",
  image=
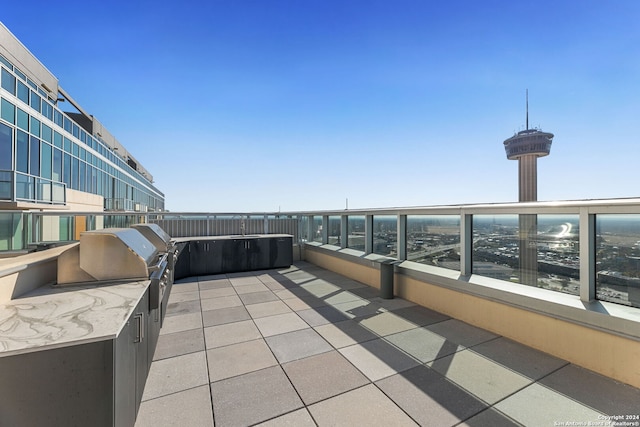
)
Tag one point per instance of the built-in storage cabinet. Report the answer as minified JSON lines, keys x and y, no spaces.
{"x":217,"y":255}
{"x":92,"y":384}
{"x":183,"y":262}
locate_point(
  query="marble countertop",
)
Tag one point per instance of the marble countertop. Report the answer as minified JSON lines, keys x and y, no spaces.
{"x":59,"y":316}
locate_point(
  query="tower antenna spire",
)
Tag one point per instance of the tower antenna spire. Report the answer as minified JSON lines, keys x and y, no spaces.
{"x":527,"y":109}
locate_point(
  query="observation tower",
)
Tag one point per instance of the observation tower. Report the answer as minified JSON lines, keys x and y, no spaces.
{"x":525,"y":147}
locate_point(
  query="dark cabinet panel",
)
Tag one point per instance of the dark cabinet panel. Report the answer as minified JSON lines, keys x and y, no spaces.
{"x":225,"y":255}
{"x":183,"y":262}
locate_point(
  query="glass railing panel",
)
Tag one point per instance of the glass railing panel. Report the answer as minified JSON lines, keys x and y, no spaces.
{"x":6,"y":185}
{"x":316,"y":229}
{"x":334,"y":230}
{"x":434,"y":240}
{"x":356,"y":232}
{"x":385,"y":235}
{"x":534,"y":250}
{"x":618,"y":258}
{"x":495,"y":246}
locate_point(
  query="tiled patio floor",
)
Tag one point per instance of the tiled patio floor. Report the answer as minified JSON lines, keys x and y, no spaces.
{"x":305,"y":347}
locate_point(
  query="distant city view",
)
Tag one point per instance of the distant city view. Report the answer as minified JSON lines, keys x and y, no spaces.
{"x":435,"y":240}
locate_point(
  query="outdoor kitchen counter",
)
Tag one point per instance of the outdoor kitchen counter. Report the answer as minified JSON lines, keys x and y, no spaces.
{"x":60,"y":316}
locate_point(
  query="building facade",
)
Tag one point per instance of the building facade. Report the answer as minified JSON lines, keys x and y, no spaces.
{"x":53,"y":154}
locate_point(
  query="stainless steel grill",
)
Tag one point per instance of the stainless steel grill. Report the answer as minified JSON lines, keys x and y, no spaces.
{"x":121,"y":254}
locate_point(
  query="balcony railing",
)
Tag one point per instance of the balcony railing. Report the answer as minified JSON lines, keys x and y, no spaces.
{"x":590,"y":249}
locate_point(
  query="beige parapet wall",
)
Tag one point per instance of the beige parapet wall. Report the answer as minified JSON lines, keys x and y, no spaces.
{"x":609,"y":354}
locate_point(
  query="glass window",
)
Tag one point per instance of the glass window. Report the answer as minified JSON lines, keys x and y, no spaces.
{"x":67,"y":145}
{"x":8,"y":111}
{"x":67,"y":170}
{"x":6,"y":63}
{"x":75,"y":150}
{"x":6,"y":192}
{"x":82,"y":181}
{"x":45,"y":164}
{"x":74,"y":173}
{"x":385,"y":235}
{"x":23,"y":92}
{"x":46,"y":133}
{"x":57,"y":139}
{"x":6,"y":142}
{"x":434,"y":240}
{"x":23,"y":120}
{"x":19,"y":74}
{"x":356,"y":225}
{"x":35,"y":101}
{"x":57,"y":117}
{"x":47,"y":110}
{"x":618,"y":258}
{"x":32,"y":84}
{"x":57,"y":165}
{"x":66,"y":124}
{"x":83,"y":153}
{"x":34,"y":156}
{"x":8,"y":82}
{"x":75,"y":131}
{"x":35,"y":126}
{"x":22,"y":151}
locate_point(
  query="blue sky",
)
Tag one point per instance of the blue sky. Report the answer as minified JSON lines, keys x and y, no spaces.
{"x":271,"y":105}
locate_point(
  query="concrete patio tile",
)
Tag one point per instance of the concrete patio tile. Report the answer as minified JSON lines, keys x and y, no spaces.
{"x":184,"y":296}
{"x":231,"y":333}
{"x":299,"y":418}
{"x":392,"y":304}
{"x":273,"y":284}
{"x":344,"y":334}
{"x":526,"y":361}
{"x":525,"y":407}
{"x":253,"y":397}
{"x":176,"y":374}
{"x":220,"y":302}
{"x":423,"y":344}
{"x":367,"y":292}
{"x":181,"y":323}
{"x":258,"y":297}
{"x":280,"y":324}
{"x":386,"y":323}
{"x":378,"y":359}
{"x":322,"y":376}
{"x":365,"y":406}
{"x":480,"y":376}
{"x":358,"y":308}
{"x":429,"y":398}
{"x":319,"y":288}
{"x":285,"y":294}
{"x":217,"y":292}
{"x":461,"y":333}
{"x":222,"y":282}
{"x":297,"y":345}
{"x":224,"y":315}
{"x":304,"y":302}
{"x":341,"y":297}
{"x":179,"y":287}
{"x":180,"y":308}
{"x":599,"y":392}
{"x":179,"y":343}
{"x":321,"y":315}
{"x":247,"y":289}
{"x":186,"y":408}
{"x":267,"y":309}
{"x":212,"y":277}
{"x":243,"y":280}
{"x":239,"y":359}
{"x":490,"y":418}
{"x":420,"y":316}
